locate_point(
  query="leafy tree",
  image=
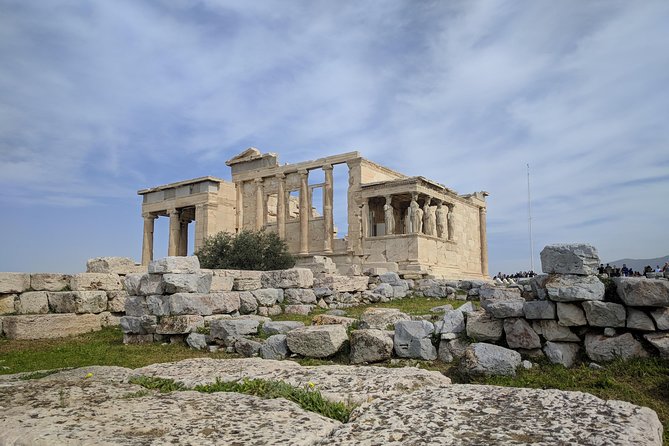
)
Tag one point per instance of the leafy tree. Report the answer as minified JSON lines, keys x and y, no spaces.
{"x":250,"y":250}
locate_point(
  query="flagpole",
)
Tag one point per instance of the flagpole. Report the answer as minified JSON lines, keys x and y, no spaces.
{"x":529,"y":219}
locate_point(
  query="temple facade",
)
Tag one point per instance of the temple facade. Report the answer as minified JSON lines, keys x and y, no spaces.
{"x":411,"y":225}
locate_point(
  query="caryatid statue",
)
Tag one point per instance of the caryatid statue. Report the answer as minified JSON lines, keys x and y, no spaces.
{"x":451,"y":222}
{"x":389,"y":216}
{"x":429,"y":218}
{"x":441,"y":217}
{"x":407,"y":221}
{"x":416,"y":215}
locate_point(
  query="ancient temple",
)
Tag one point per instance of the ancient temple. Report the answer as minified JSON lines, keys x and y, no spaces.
{"x":411,"y":225}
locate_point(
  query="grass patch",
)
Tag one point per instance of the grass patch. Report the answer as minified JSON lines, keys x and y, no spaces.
{"x":104,"y":347}
{"x":163,"y":385}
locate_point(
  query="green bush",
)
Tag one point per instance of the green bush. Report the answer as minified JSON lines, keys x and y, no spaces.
{"x":250,"y":250}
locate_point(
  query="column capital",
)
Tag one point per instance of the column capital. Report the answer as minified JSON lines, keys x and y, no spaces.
{"x":280,"y":175}
{"x":149,"y":216}
{"x":303,"y":172}
{"x":483,"y":210}
{"x":259,"y":180}
{"x":172,"y":212}
{"x":326,"y":167}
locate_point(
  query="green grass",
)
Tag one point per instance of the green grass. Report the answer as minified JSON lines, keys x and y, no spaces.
{"x":308,"y":398}
{"x":104,"y":347}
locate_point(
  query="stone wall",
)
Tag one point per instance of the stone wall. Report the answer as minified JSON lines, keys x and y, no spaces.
{"x":53,"y":305}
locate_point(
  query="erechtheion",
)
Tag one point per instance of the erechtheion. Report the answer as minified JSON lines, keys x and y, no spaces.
{"x":411,"y":225}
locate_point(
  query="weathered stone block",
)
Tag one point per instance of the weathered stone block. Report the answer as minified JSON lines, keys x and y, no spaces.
{"x":298,"y":309}
{"x":247,"y":347}
{"x":221,"y":283}
{"x":318,"y":341}
{"x":95,"y":282}
{"x":642,"y":292}
{"x":7,"y":305}
{"x":661,"y":318}
{"x":49,"y":282}
{"x":275,"y":347}
{"x":150,"y":284}
{"x":247,"y":283}
{"x":564,"y":353}
{"x":328,"y":319}
{"x":229,"y":330}
{"x":158,"y":305}
{"x":136,"y":306}
{"x":496,"y":292}
{"x":175,"y":265}
{"x":519,"y":334}
{"x":204,"y":304}
{"x":570,"y":315}
{"x":197,"y":341}
{"x":605,"y":314}
{"x":131,"y":283}
{"x":247,"y":303}
{"x":504,"y":308}
{"x":572,"y":288}
{"x":14,"y":282}
{"x":453,"y":321}
{"x":603,"y":348}
{"x":413,"y":339}
{"x":108,"y":319}
{"x":539,"y":309}
{"x":639,"y":320}
{"x":381,"y":318}
{"x":187,"y":283}
{"x":344,"y":283}
{"x":270,"y":311}
{"x":115,"y":265}
{"x":32,"y":302}
{"x":267,"y":297}
{"x":129,"y":338}
{"x":139,"y":325}
{"x":483,"y":327}
{"x":574,"y":258}
{"x":179,"y":324}
{"x":288,"y":278}
{"x":298,"y":296}
{"x":371,"y":346}
{"x":280,"y":327}
{"x":661,"y":342}
{"x":50,"y":326}
{"x":77,"y":301}
{"x":488,"y":359}
{"x":116,"y":301}
{"x":553,"y":331}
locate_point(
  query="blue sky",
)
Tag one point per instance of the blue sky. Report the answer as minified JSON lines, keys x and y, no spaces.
{"x":100,"y":99}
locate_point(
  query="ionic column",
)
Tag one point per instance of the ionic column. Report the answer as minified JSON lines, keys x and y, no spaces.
{"x":484,"y":241}
{"x":175,"y":232}
{"x":364,"y":214}
{"x":281,"y":205}
{"x":183,"y":238}
{"x":260,"y":204}
{"x":305,"y":210}
{"x":147,"y":243}
{"x":240,"y":206}
{"x":328,"y":218}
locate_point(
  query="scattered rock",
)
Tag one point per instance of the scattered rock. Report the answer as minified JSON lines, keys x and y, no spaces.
{"x":489,"y":359}
{"x":602,"y":348}
{"x":659,"y":341}
{"x":381,"y":318}
{"x":247,"y":347}
{"x":483,"y":327}
{"x":229,"y":330}
{"x":519,"y":334}
{"x":279,"y":327}
{"x":570,"y":259}
{"x":371,"y":345}
{"x":413,"y":339}
{"x":275,"y":347}
{"x":643,"y":292}
{"x":197,"y":341}
{"x":319,"y":341}
{"x":573,"y":288}
{"x":564,"y":353}
{"x":326,"y":319}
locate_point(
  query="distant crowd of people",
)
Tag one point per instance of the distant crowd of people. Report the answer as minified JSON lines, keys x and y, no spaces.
{"x":517,"y":275}
{"x":624,"y":271}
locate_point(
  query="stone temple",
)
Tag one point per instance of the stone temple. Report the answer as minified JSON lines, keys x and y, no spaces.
{"x":411,"y":225}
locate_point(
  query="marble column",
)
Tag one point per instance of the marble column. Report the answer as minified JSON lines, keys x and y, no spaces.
{"x":147,"y":243}
{"x":175,"y":232}
{"x":281,"y":205}
{"x":239,"y":207}
{"x":260,"y":204}
{"x":328,"y":218}
{"x":484,"y":241}
{"x":364,"y":214}
{"x":183,"y":238}
{"x":305,"y":211}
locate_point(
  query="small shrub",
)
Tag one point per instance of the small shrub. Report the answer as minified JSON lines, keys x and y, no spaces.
{"x":248,"y":250}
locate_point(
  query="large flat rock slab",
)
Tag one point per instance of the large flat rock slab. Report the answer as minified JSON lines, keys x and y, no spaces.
{"x":482,"y":415}
{"x":335,"y":382}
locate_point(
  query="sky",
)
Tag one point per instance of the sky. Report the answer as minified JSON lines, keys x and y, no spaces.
{"x":101,"y":99}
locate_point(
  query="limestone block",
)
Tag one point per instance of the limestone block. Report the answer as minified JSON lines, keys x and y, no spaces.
{"x":279,"y":327}
{"x":443,"y":352}
{"x":187,"y":283}
{"x":467,"y":308}
{"x":661,"y":318}
{"x":116,"y":301}
{"x":247,"y":347}
{"x":570,"y":259}
{"x":298,"y":296}
{"x":50,"y":326}
{"x":139,"y":325}
{"x":564,"y":353}
{"x":204,"y":304}
{"x":247,"y":303}
{"x":370,"y":346}
{"x":158,"y":305}
{"x":179,"y":324}
{"x":275,"y":347}
{"x":489,"y":359}
{"x":401,"y":290}
{"x":390,"y":278}
{"x":385,"y":290}
{"x":136,"y":306}
{"x":603,"y":348}
{"x":496,"y":292}
{"x":504,"y":308}
{"x":32,"y":302}
{"x":221,"y":283}
{"x":229,"y":330}
{"x":604,"y":314}
{"x":661,"y":342}
{"x":14,"y":282}
{"x":344,"y":283}
{"x":95,"y":282}
{"x":175,"y":265}
{"x":570,"y":315}
{"x":115,"y":265}
{"x":77,"y":301}
{"x":150,"y":284}
{"x":7,"y":305}
{"x":246,"y":284}
{"x":639,"y":320}
{"x":131,"y":283}
{"x":267,"y":297}
{"x":483,"y":327}
{"x":129,"y":338}
{"x":328,"y":319}
{"x":539,"y":309}
{"x":413,"y":339}
{"x":572,"y":288}
{"x":319,"y":341}
{"x":642,"y":292}
{"x":288,"y":278}
{"x":49,"y":282}
{"x":108,"y":319}
{"x":519,"y":334}
{"x":270,"y":311}
{"x":553,"y":331}
{"x":302,"y":310}
{"x":457,"y":346}
{"x":381,"y":318}
{"x":453,"y":321}
{"x":197,"y":341}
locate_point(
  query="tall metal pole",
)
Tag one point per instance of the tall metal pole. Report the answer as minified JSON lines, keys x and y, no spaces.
{"x":529,"y":219}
